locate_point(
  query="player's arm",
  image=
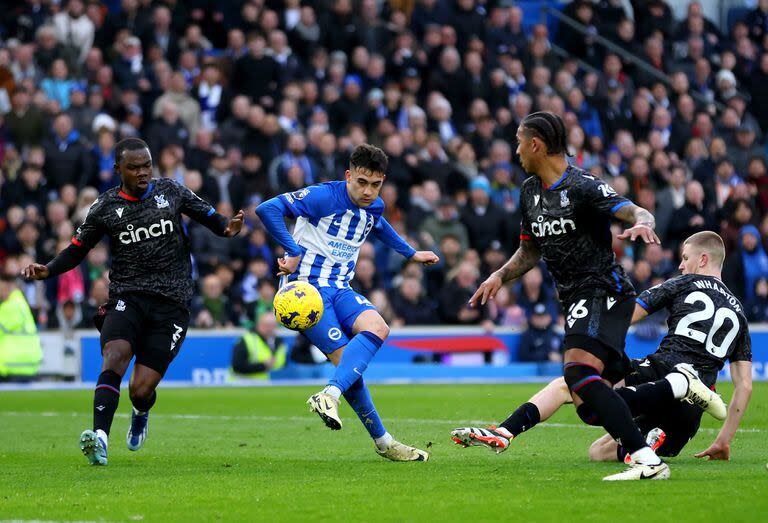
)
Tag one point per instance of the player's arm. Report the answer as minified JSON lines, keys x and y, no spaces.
{"x":524,"y":259}
{"x":272,"y":214}
{"x":741,"y":374}
{"x":86,"y":236}
{"x":204,"y":213}
{"x":388,"y":235}
{"x":604,"y":199}
{"x":641,"y":221}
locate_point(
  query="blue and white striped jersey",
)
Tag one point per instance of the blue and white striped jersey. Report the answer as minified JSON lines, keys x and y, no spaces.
{"x":330,"y":229}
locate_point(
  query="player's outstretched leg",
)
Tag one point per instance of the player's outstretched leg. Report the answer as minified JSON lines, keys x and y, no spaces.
{"x":681,"y":384}
{"x":539,"y":408}
{"x":106,"y":396}
{"x":602,"y":404}
{"x":143,"y":396}
{"x":359,"y":398}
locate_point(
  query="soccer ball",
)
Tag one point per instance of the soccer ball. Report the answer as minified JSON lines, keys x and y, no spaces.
{"x":298,"y":306}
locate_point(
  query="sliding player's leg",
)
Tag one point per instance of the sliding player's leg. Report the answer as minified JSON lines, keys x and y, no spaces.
{"x":539,"y":408}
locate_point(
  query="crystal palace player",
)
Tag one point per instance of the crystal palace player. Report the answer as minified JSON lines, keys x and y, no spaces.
{"x":333,"y":221}
{"x":150,"y":285}
{"x":566,"y":215}
{"x":706,"y":327}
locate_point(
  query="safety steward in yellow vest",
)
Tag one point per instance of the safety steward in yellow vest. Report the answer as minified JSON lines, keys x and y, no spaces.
{"x":257,"y":353}
{"x":20,"y":350}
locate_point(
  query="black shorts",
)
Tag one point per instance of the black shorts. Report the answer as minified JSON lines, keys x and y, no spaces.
{"x":155,"y":327}
{"x":679,"y":420}
{"x":597,"y":323}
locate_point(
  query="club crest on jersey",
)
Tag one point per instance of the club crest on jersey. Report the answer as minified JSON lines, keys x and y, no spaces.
{"x":300,"y":195}
{"x":564,"y":201}
{"x":161,"y":201}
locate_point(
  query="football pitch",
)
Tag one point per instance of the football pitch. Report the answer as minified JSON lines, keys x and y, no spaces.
{"x":257,"y":454}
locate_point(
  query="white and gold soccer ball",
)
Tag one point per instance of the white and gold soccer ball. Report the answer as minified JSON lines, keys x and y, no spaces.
{"x":298,"y":306}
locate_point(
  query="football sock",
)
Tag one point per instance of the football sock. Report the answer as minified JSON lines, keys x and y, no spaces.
{"x":678,"y":383}
{"x":646,"y":456}
{"x":524,"y":418}
{"x":359,"y":398}
{"x":384,"y":441}
{"x":333,"y":391}
{"x":105,"y":400}
{"x":358,"y":353}
{"x":601,"y":399}
{"x":143,"y":405}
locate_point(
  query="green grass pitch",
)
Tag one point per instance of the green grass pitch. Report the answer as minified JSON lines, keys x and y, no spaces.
{"x":256,"y":454}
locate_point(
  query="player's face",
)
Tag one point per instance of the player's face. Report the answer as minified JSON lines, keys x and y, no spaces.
{"x":363,"y":186}
{"x":135,"y":168}
{"x":690,"y":260}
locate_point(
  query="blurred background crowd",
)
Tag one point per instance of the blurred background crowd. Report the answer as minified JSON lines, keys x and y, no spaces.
{"x":241,"y":100}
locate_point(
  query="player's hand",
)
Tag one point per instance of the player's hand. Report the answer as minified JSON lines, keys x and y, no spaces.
{"x":35,"y":271}
{"x":641,"y":231}
{"x":287,"y":265}
{"x":487,"y":290}
{"x":235,"y":224}
{"x":719,"y":450}
{"x":425,"y":257}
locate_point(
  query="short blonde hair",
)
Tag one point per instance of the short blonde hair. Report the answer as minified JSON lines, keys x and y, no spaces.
{"x":711,"y":243}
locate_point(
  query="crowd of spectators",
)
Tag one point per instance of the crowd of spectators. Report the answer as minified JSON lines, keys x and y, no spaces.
{"x":244,"y":99}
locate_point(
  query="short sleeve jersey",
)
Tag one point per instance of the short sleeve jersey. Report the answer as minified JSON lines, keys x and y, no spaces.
{"x":707,"y":325}
{"x":149,"y":246}
{"x":570,"y":223}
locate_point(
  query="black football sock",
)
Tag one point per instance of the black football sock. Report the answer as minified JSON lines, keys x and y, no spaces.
{"x":105,"y":400}
{"x":524,"y":418}
{"x":143,"y":405}
{"x":647,"y":397}
{"x":613,"y":413}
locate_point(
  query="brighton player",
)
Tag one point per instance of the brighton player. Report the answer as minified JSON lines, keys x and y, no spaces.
{"x":670,"y":389}
{"x":149,"y":290}
{"x":333,"y":220}
{"x":566,"y":215}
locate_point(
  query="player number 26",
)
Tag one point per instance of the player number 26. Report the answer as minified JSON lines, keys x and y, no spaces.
{"x":684,"y":325}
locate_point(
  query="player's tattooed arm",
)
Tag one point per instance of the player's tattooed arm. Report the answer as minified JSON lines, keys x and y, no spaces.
{"x":524,"y":259}
{"x":642,"y":224}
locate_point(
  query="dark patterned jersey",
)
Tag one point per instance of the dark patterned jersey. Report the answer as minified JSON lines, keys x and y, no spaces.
{"x":706,"y":324}
{"x":150,"y":249}
{"x":570,"y":223}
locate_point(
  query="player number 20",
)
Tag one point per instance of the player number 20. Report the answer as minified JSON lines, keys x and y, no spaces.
{"x":684,"y":326}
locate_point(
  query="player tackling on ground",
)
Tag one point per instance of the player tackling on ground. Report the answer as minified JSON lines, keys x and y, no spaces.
{"x":706,"y":327}
{"x":566,"y":215}
{"x":333,"y":220}
{"x":150,"y":285}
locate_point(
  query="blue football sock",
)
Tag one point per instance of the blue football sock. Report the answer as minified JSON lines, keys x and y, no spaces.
{"x":359,"y":398}
{"x":357,"y":354}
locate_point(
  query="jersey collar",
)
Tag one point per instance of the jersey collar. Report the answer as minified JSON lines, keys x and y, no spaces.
{"x":130,"y":198}
{"x":559,"y":181}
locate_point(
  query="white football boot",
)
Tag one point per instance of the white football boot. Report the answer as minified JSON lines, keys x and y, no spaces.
{"x":94,"y":446}
{"x":700,"y":395}
{"x":397,"y":451}
{"x":327,"y":407}
{"x":637,"y":471}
